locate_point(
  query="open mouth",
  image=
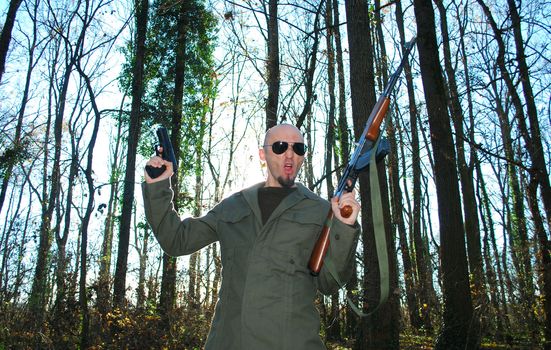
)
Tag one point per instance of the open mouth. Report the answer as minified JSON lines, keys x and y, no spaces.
{"x":288,"y":168}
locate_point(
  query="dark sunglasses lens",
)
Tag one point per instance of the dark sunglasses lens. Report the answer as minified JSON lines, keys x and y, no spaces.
{"x":299,"y":148}
{"x":279,"y":147}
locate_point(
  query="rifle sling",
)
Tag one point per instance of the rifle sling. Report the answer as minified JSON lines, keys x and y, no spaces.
{"x":380,"y":240}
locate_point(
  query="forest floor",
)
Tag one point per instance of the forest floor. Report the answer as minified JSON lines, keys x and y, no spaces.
{"x":420,"y":342}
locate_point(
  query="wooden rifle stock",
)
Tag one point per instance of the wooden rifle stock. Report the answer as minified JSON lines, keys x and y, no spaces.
{"x":381,"y":108}
{"x":357,"y":163}
{"x":322,"y":244}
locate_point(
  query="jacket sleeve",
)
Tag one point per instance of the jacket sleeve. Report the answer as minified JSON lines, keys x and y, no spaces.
{"x":343,"y":241}
{"x":176,"y":237}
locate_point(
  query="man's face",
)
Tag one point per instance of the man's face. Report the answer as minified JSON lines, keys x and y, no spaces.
{"x":282,"y":168}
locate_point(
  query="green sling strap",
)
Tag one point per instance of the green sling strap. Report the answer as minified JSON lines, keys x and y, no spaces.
{"x":380,"y":239}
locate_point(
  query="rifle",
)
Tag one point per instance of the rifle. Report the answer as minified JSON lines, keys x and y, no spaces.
{"x":359,"y":162}
{"x":167,"y":154}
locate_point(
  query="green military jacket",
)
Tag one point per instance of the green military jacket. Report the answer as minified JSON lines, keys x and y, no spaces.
{"x":266,"y":300}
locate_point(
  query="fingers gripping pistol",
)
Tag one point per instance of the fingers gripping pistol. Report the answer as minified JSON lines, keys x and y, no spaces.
{"x":167,"y":153}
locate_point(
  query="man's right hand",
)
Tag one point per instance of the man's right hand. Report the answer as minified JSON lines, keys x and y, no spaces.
{"x":158,"y":162}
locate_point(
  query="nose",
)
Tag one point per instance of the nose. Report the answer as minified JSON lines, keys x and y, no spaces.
{"x":289,"y":152}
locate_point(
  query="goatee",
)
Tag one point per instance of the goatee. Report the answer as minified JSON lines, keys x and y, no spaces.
{"x":286,"y":182}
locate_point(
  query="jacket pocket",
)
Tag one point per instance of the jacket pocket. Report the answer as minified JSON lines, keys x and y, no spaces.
{"x":235,"y":227}
{"x":235,"y":213}
{"x":307,"y":218}
{"x":297,"y":230}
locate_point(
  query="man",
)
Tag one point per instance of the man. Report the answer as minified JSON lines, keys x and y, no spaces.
{"x":266,"y":234}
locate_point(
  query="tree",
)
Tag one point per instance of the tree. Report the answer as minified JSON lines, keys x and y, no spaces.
{"x":334,"y":326}
{"x":310,"y":63}
{"x":466,"y":171}
{"x":61,"y":48}
{"x":142,"y":9}
{"x":104,"y":276}
{"x":344,"y":137}
{"x":381,"y":326}
{"x":168,"y":282}
{"x":343,"y":152}
{"x":178,"y":91}
{"x":390,"y":313}
{"x":456,"y":332}
{"x":5,"y":38}
{"x":539,"y":176}
{"x":272,"y":68}
{"x":83,"y":293}
{"x":532,"y":139}
{"x":416,"y":291}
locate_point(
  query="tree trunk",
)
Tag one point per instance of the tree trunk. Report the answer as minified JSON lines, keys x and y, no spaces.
{"x":539,"y":174}
{"x":168,"y":282}
{"x":272,"y":66}
{"x":517,"y":230}
{"x":534,"y":141}
{"x":397,"y":201}
{"x":104,"y":278}
{"x":141,"y":295}
{"x":466,"y":172}
{"x":543,"y":256}
{"x":344,"y":134}
{"x":350,"y":327}
{"x":20,"y":254}
{"x":421,"y":260}
{"x":458,"y":312}
{"x":518,"y":233}
{"x":119,"y":285}
{"x":5,"y":246}
{"x":61,"y":313}
{"x":333,"y":327}
{"x":39,"y":289}
{"x":310,"y":71}
{"x":88,"y":172}
{"x":418,"y":297}
{"x":5,"y":38}
{"x":377,"y":331}
{"x":491,"y":256}
{"x":308,"y":167}
{"x":217,"y":276}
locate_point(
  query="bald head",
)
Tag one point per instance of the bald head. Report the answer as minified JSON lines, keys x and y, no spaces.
{"x":273,"y":133}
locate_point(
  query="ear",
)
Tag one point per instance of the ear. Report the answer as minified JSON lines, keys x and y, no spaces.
{"x":262,"y":154}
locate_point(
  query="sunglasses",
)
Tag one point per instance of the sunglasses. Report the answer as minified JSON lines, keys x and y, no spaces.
{"x":279,"y":147}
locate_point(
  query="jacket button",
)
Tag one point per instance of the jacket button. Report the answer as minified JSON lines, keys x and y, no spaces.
{"x":337,"y":236}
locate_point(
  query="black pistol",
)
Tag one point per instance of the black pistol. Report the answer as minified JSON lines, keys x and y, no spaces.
{"x":167,"y":154}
